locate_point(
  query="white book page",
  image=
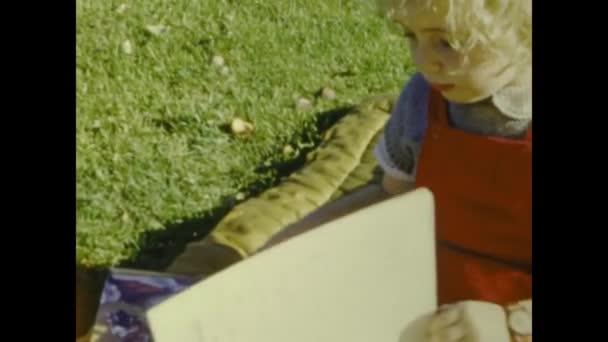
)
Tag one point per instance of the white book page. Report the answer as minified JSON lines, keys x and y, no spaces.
{"x":364,"y":277}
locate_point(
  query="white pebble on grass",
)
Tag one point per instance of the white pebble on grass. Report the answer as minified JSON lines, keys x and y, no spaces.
{"x":303,"y":104}
{"x":328,"y":93}
{"x":122,"y":8}
{"x":127,"y":47}
{"x":157,"y":30}
{"x":288,"y":150}
{"x":240,"y":127}
{"x":217,"y":61}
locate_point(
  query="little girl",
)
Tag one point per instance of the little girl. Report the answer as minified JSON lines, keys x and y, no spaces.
{"x":462,"y":128}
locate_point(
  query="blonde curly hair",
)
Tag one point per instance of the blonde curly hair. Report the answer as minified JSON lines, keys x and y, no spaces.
{"x":496,"y":26}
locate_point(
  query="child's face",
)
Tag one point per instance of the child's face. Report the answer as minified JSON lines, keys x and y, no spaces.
{"x":444,"y":68}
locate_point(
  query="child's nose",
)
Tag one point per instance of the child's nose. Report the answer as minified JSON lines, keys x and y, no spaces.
{"x":426,"y":61}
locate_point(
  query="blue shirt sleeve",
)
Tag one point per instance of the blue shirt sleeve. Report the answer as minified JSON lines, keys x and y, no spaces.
{"x":398,"y":149}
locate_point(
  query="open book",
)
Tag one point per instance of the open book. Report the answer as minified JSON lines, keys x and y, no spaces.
{"x":369,"y":276}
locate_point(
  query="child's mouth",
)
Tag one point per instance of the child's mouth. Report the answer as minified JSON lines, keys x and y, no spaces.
{"x":442,"y":87}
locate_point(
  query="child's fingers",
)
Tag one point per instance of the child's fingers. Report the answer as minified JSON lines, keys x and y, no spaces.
{"x":445,"y":318}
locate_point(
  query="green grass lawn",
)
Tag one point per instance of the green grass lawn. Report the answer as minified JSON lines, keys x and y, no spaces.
{"x":152,"y":151}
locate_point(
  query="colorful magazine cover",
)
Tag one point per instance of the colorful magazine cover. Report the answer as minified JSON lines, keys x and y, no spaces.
{"x":126,"y":296}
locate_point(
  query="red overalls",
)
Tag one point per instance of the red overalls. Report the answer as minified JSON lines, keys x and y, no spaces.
{"x":483,"y":193}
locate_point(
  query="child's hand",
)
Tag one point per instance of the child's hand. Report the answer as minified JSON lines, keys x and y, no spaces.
{"x":469,"y":321}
